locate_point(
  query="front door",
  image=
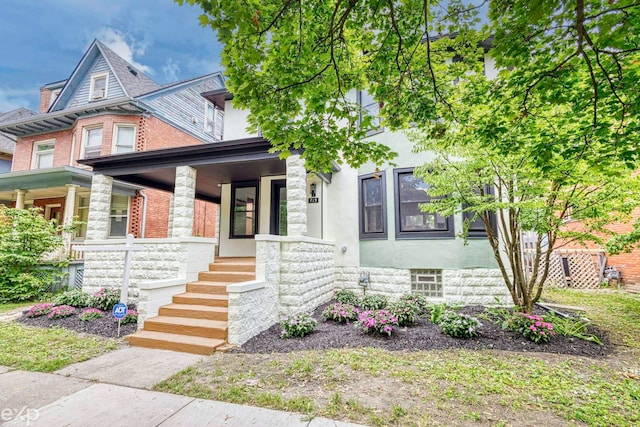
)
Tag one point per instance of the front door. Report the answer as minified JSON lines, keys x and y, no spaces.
{"x":278,"y":221}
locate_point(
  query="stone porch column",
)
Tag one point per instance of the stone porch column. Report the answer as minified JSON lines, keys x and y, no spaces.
{"x":69,"y":209}
{"x":99,"y":207}
{"x":184,"y":195}
{"x":296,"y":196}
{"x":170,"y":221}
{"x":20,"y":198}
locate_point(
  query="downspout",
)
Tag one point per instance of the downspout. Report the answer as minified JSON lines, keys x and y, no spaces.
{"x":144,"y":213}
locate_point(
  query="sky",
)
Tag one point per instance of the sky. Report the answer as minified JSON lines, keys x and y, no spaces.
{"x":41,"y":41}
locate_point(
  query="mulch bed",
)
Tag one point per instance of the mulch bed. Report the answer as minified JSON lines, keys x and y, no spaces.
{"x":423,"y":336}
{"x":105,"y":326}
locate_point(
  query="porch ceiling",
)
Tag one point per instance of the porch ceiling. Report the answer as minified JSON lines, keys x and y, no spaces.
{"x":217,"y":163}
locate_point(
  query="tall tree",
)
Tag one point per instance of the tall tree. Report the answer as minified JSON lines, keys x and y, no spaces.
{"x":553,"y":131}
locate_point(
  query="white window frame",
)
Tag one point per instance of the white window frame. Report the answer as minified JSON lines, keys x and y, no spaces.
{"x":85,"y":138}
{"x":207,"y":106}
{"x":128,"y":216}
{"x":54,"y":95}
{"x":36,"y":154}
{"x":81,"y":231}
{"x":114,"y":140}
{"x":94,"y":77}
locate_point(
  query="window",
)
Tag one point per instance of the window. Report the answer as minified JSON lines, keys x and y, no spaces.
{"x":411,"y":222}
{"x":92,"y":142}
{"x":99,"y":86}
{"x":118,"y":216}
{"x":54,"y":96}
{"x":43,"y":154}
{"x":369,"y":104}
{"x":244,"y":210}
{"x":373,"y":206}
{"x":476,"y":227}
{"x":124,"y":137}
{"x":213,"y":120}
{"x":427,"y":283}
{"x":83,"y":216}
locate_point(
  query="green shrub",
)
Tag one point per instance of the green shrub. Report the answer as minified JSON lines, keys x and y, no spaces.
{"x":89,"y":314}
{"x":75,"y":298}
{"x":531,"y":326}
{"x":406,"y":311}
{"x":417,"y":300}
{"x":569,"y":327}
{"x":459,"y":325}
{"x":104,"y":298}
{"x":346,"y":296}
{"x":25,"y":239}
{"x":130,"y":317}
{"x":374,"y":302}
{"x":436,"y":311}
{"x":377,"y":321}
{"x":340,"y":312}
{"x":297,"y":325}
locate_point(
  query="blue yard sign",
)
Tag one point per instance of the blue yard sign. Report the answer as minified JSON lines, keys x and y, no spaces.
{"x":120,"y":310}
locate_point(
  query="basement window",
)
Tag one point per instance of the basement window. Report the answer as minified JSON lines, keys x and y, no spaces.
{"x":427,"y":283}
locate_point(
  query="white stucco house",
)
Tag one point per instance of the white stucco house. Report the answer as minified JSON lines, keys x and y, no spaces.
{"x":287,"y":237}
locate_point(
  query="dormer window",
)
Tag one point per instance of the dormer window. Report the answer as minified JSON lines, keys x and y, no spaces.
{"x":99,"y":86}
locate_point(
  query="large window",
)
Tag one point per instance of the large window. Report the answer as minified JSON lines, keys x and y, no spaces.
{"x":411,"y":222}
{"x":124,"y":137}
{"x":92,"y":142}
{"x":118,"y":216}
{"x":373,"y":206}
{"x":476,"y":225}
{"x":83,"y":216}
{"x":370,"y":105}
{"x":43,"y":154}
{"x":213,"y":120}
{"x":99,"y":86}
{"x":244,"y":210}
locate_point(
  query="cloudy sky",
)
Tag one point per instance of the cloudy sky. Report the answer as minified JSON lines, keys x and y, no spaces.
{"x":42,"y":41}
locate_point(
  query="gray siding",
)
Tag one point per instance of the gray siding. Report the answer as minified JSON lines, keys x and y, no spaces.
{"x":81,"y":95}
{"x":185,"y":107}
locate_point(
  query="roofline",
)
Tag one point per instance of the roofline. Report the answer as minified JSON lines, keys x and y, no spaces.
{"x":218,"y":96}
{"x":106,"y":58}
{"x":178,"y":85}
{"x":54,"y":85}
{"x":74,"y":72}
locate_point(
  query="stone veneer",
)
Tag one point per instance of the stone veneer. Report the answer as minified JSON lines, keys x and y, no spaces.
{"x":296,"y":196}
{"x":100,"y":202}
{"x":183,"y":202}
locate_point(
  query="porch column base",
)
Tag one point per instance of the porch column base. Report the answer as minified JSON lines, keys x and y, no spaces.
{"x":296,"y":196}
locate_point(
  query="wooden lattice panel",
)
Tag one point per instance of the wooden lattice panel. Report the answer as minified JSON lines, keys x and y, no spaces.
{"x":556,"y":276}
{"x":584,"y":271}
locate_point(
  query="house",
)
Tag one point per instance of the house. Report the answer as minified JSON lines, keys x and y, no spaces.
{"x":7,"y":141}
{"x":288,"y":236}
{"x":107,"y":106}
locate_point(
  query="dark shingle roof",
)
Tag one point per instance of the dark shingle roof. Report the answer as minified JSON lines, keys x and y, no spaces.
{"x":135,"y":83}
{"x":8,"y":142}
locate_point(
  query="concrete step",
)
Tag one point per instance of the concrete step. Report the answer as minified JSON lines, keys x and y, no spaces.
{"x":187,"y":326}
{"x":206,"y":287}
{"x":175,"y":342}
{"x":226,"y":276}
{"x":194,"y":311}
{"x":236,"y":260}
{"x":239,"y":267}
{"x":210,"y":300}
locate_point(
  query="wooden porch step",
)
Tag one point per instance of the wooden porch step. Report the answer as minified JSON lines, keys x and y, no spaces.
{"x":211,"y":300}
{"x":236,"y":260}
{"x":228,"y":266}
{"x":206,"y":287}
{"x":194,"y":311}
{"x":175,"y":342}
{"x":187,"y":326}
{"x":226,"y":276}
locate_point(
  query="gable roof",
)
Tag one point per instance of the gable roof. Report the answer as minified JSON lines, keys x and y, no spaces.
{"x":132,"y":81}
{"x":7,"y":142}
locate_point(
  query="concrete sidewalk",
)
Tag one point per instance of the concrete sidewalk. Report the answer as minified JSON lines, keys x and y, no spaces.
{"x":71,"y":396}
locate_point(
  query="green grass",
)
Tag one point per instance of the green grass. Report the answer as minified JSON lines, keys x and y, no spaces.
{"x":46,"y":350}
{"x":10,"y":306}
{"x":616,"y":312}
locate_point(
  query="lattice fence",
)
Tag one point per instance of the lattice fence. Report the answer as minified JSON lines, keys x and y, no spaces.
{"x":580,"y":269}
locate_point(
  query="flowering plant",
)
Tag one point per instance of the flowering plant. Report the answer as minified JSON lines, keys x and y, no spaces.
{"x":39,"y":310}
{"x":416,"y":300}
{"x":406,"y":311}
{"x":531,"y":327}
{"x":60,"y":311}
{"x":346,"y":296}
{"x":130,"y":317}
{"x":459,"y":325}
{"x":380,"y":321}
{"x":89,"y":314}
{"x":374,"y":302}
{"x":297,"y":325}
{"x":340,"y":312}
{"x":104,"y":298}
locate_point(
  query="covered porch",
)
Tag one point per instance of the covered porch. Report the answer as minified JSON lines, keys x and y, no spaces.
{"x":271,"y":210}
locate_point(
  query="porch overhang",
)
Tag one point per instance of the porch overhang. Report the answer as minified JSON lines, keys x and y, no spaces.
{"x":218,"y":163}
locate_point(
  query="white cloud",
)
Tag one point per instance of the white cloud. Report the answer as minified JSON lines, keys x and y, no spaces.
{"x":10,"y":99}
{"x":125,"y":45}
{"x":171,"y":70}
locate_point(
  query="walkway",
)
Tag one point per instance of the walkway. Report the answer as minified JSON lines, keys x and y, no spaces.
{"x":71,"y":396}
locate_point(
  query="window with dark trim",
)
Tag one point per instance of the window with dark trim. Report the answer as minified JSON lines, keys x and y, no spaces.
{"x":411,"y":222}
{"x":373,"y":206}
{"x":372,"y":106}
{"x":244,"y":210}
{"x":477,"y":227}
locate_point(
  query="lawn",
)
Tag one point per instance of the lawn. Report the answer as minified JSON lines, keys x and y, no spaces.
{"x":440,"y":387}
{"x":46,"y":350}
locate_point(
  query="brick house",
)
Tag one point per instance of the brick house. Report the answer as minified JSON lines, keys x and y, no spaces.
{"x":107,"y":106}
{"x":7,"y":141}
